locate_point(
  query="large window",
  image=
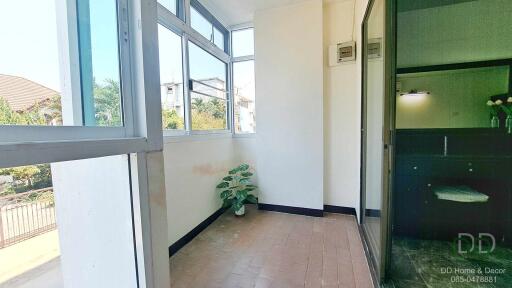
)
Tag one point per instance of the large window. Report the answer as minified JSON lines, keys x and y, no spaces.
{"x":244,"y":88}
{"x":65,"y":65}
{"x":171,"y":79}
{"x":39,"y":83}
{"x":208,"y":90}
{"x":194,"y":68}
{"x":219,"y":90}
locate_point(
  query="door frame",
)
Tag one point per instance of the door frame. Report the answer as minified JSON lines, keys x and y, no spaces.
{"x":378,"y":266}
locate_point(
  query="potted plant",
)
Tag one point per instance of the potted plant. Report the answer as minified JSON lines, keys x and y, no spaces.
{"x":235,"y":189}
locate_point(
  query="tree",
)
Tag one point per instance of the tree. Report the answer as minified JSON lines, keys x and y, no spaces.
{"x":207,"y":115}
{"x":107,"y":103}
{"x":205,"y":121}
{"x":41,"y":113}
{"x":171,"y":119}
{"x":7,"y":115}
{"x":30,"y":177}
{"x":22,"y":176}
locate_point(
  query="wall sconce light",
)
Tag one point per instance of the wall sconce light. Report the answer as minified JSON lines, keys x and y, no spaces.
{"x":415,"y":92}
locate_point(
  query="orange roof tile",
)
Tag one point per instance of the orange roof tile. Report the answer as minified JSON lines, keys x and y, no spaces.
{"x":21,"y":94}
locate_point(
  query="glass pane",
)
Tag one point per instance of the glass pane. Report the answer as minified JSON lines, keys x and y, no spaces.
{"x":373,"y":127}
{"x":218,"y":38}
{"x":208,"y":75}
{"x":171,"y":79}
{"x":30,"y":79}
{"x":208,"y":113}
{"x":201,"y":24}
{"x":243,"y":42}
{"x":31,"y":91}
{"x":452,"y":189}
{"x":99,"y":62}
{"x":171,"y":5}
{"x":244,"y":90}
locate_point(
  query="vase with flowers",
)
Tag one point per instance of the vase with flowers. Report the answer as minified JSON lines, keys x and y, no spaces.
{"x":507,"y":108}
{"x":494,"y":109}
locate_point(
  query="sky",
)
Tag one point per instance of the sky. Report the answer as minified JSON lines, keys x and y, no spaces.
{"x":29,"y":46}
{"x":29,"y":41}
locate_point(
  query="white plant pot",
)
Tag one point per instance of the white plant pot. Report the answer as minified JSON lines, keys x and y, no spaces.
{"x":241,"y":211}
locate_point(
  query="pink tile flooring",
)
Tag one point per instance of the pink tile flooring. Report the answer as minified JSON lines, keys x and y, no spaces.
{"x":269,"y":249}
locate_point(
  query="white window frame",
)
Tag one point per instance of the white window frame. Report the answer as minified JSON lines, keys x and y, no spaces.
{"x":70,"y":79}
{"x":141,"y":136}
{"x":184,"y":29}
{"x":248,"y":25}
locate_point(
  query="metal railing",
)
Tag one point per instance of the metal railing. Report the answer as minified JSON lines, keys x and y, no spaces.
{"x":25,"y":215}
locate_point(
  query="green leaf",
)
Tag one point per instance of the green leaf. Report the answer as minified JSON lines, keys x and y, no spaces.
{"x":251,"y":199}
{"x":241,"y":194}
{"x":228,"y":178}
{"x":223,"y":185}
{"x":226,"y":194}
{"x":243,"y":167}
{"x":245,"y":181}
{"x":232,"y":172}
{"x":247,"y":174}
{"x":227,"y":202}
{"x":249,"y":189}
{"x":251,"y":186}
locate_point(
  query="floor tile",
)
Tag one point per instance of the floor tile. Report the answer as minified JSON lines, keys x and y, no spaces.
{"x":269,"y":249}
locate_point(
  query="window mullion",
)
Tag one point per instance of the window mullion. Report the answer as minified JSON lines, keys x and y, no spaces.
{"x":125,"y":68}
{"x":69,"y":59}
{"x":187,"y":13}
{"x":186,"y":81}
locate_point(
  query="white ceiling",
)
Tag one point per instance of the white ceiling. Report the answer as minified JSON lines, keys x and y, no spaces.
{"x":232,"y":12}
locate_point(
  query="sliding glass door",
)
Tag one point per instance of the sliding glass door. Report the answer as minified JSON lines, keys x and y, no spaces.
{"x":376,"y":131}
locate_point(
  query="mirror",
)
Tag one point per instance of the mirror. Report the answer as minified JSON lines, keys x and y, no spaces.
{"x":451,"y":98}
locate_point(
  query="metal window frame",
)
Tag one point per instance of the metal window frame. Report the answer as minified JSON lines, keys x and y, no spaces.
{"x":244,"y":26}
{"x":237,"y":28}
{"x":189,"y":35}
{"x":71,"y":85}
{"x":214,"y":21}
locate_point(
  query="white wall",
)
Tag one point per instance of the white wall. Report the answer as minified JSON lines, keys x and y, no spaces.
{"x":93,"y":207}
{"x":342,"y":107}
{"x":193,"y":167}
{"x":289,"y":105}
{"x":463,"y":32}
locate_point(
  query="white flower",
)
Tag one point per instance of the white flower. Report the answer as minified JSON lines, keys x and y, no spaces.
{"x":509,"y":100}
{"x":498,"y":102}
{"x":490,"y":103}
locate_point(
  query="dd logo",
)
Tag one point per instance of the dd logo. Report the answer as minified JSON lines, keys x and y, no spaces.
{"x":466,"y":243}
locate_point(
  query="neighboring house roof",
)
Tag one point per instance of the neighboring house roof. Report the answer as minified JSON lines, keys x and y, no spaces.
{"x":21,"y":94}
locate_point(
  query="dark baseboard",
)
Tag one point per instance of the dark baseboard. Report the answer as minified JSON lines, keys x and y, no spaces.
{"x":194,"y":232}
{"x":291,"y":210}
{"x":372,"y":213}
{"x":340,"y":210}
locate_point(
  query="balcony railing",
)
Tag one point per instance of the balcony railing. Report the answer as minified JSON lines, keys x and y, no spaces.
{"x":25,"y":215}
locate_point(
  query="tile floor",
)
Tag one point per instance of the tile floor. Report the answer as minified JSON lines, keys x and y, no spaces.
{"x":269,"y":249}
{"x":418,"y":264}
